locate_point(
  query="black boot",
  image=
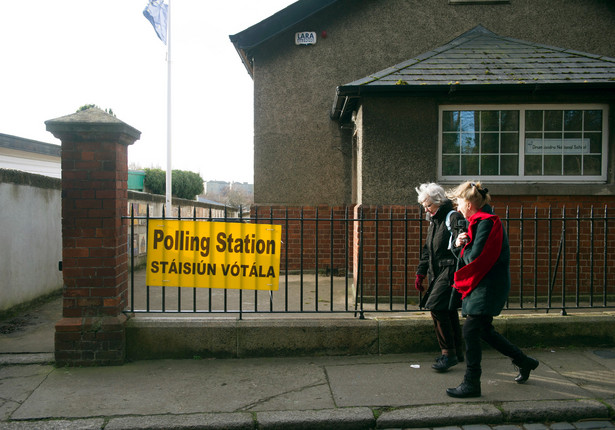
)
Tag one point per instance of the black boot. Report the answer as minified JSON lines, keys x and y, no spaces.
{"x":444,"y":362}
{"x":468,"y":388}
{"x":526,"y":365}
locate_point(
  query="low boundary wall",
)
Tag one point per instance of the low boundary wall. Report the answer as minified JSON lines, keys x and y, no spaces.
{"x":193,"y":337}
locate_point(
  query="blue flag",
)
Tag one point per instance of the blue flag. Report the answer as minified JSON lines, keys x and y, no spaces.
{"x":156,"y":12}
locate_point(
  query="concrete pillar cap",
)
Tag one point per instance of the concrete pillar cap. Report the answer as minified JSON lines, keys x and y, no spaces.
{"x":92,"y":124}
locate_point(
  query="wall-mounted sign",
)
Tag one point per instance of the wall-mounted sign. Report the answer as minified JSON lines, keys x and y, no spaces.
{"x":305,"y":38}
{"x":557,"y":146}
{"x":203,"y":254}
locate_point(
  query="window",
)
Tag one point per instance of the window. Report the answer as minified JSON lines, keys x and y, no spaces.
{"x":523,"y":143}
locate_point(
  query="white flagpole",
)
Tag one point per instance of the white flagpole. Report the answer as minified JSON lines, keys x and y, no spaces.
{"x":169,"y":187}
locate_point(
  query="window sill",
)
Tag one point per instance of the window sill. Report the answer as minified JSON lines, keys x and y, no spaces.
{"x":538,"y":189}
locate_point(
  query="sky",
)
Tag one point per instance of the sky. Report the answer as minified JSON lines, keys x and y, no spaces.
{"x":60,"y":55}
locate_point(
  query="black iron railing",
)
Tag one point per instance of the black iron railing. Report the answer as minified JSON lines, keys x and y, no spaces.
{"x":363,"y":260}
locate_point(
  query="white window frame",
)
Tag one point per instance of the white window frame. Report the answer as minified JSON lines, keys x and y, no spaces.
{"x":522,"y":179}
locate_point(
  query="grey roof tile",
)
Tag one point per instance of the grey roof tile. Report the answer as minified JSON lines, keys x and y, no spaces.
{"x":480,"y":56}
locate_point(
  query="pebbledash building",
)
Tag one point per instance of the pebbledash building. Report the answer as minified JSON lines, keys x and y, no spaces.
{"x":357,"y":103}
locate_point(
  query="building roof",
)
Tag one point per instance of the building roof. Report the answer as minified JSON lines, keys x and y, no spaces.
{"x":29,"y":145}
{"x":480,"y":58}
{"x":250,"y":38}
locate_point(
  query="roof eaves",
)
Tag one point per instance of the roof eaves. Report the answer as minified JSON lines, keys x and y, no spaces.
{"x":347,"y":96}
{"x":359,"y":90}
{"x":259,"y":33}
{"x":28,"y":145}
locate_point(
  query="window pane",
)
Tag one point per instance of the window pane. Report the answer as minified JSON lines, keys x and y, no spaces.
{"x":574,"y":144}
{"x":490,"y":143}
{"x":510,"y":120}
{"x":509,"y":165}
{"x":533,"y":165}
{"x":469,"y":165}
{"x":489,"y":165}
{"x":510,"y":143}
{"x":552,"y":144}
{"x":490,"y":120}
{"x":593,"y":120}
{"x":533,"y":120}
{"x":573,"y":120}
{"x":469,"y":120}
{"x":553,"y":120}
{"x":573,"y":135}
{"x":553,"y":164}
{"x":450,"y":121}
{"x":450,"y":143}
{"x":595,"y":142}
{"x":533,"y":135}
{"x":572,"y":164}
{"x":592,"y":165}
{"x":450,"y":165}
{"x":468,"y":143}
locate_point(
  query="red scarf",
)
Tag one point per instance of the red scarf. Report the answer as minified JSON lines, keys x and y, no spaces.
{"x":468,"y":277}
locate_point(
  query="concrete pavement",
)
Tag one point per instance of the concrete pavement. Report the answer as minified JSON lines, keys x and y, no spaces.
{"x":572,"y":388}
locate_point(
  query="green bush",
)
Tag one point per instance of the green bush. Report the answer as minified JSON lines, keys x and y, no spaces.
{"x":184,"y":184}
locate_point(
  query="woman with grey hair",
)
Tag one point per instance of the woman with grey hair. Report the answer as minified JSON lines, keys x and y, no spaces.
{"x":438,"y":263}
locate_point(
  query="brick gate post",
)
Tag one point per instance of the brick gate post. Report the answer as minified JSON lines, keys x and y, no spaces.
{"x":94,"y":237}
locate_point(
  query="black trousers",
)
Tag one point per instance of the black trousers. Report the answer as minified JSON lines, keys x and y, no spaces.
{"x":448,"y":330}
{"x":477,"y":327}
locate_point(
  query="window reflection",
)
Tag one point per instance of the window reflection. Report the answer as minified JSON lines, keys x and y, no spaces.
{"x":556,"y":142}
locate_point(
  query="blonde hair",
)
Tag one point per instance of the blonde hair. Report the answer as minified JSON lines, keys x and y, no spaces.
{"x":472,"y":192}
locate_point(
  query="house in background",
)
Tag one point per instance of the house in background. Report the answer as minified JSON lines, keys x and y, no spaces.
{"x":405,"y":77}
{"x":18,"y":153}
{"x":357,"y":103}
{"x":526,"y":119}
{"x":233,"y":193}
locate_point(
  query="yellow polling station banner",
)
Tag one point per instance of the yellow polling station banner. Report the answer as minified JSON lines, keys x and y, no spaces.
{"x":204,"y":254}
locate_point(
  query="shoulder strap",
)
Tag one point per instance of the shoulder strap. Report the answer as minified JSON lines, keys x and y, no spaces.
{"x":448,"y":226}
{"x":448,"y":220}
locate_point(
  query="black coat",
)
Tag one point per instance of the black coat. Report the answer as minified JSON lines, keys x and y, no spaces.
{"x":491,"y":293}
{"x":437,"y":261}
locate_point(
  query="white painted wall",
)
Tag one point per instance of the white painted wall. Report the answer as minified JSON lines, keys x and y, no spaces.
{"x":31,"y":162}
{"x":30,"y":242}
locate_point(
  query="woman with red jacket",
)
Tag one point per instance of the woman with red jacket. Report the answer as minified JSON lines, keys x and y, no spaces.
{"x":484,"y":283}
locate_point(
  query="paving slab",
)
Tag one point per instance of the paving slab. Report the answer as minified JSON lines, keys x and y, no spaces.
{"x":588,"y":370}
{"x":33,"y":330}
{"x":27,"y":358}
{"x":177,"y":387}
{"x":88,"y":424}
{"x":17,"y":383}
{"x":413,"y":382}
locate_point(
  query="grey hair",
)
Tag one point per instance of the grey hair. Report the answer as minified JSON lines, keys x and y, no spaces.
{"x":434,"y":192}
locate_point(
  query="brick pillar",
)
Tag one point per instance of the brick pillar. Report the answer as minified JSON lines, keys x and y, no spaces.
{"x":94,"y":237}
